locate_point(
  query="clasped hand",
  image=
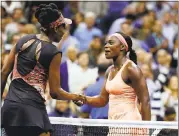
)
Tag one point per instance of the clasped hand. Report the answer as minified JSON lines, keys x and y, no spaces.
{"x":80,"y":100}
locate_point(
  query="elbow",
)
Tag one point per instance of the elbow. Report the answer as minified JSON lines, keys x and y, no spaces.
{"x":146,"y":102}
{"x":104,"y":102}
{"x":53,"y":95}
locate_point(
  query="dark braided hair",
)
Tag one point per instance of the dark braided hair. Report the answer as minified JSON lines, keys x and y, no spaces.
{"x":47,"y":14}
{"x":132,"y":53}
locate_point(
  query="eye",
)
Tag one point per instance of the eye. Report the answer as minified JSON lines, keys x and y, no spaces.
{"x":110,"y":43}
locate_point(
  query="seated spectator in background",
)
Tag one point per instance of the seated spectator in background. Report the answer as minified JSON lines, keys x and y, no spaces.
{"x":94,"y":51}
{"x":17,"y":24}
{"x":115,"y":10}
{"x":170,"y":114}
{"x":61,"y":109}
{"x":88,"y":111}
{"x":66,"y":41}
{"x":144,"y":57}
{"x":11,"y":41}
{"x":68,"y":69}
{"x":116,"y":25}
{"x":128,"y":30}
{"x":98,"y":7}
{"x":30,"y":29}
{"x":143,"y":30}
{"x":4,"y":13}
{"x":11,"y":5}
{"x":78,"y":21}
{"x":170,"y":95}
{"x":156,"y":40}
{"x":168,"y":29}
{"x":84,"y":75}
{"x":174,"y":62}
{"x":85,"y":34}
{"x":71,"y":9}
{"x":164,"y":61}
{"x":154,"y":93}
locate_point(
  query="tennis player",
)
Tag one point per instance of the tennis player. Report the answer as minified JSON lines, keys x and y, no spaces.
{"x":34,"y":60}
{"x":124,"y":83}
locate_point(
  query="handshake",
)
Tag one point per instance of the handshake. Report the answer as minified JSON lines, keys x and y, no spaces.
{"x":80,"y":100}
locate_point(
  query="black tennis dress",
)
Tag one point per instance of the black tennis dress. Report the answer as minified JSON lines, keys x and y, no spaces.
{"x":24,"y":105}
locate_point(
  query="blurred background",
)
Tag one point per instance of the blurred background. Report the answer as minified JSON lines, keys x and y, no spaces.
{"x":153,"y":27}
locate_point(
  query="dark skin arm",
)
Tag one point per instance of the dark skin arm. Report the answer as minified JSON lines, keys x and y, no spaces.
{"x":56,"y":91}
{"x":139,"y":84}
{"x":7,"y":68}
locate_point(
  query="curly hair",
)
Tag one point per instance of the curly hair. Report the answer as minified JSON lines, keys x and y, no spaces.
{"x":46,"y":14}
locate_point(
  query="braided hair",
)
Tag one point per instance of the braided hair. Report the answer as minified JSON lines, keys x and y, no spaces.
{"x":132,"y":53}
{"x":46,"y":14}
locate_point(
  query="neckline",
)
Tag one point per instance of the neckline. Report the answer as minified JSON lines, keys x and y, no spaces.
{"x":41,"y":39}
{"x":117,"y":72}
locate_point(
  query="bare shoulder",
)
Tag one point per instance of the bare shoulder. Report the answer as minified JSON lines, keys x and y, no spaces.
{"x":133,"y":70}
{"x":108,"y":70}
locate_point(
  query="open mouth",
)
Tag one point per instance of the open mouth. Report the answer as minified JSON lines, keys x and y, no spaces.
{"x":106,"y":51}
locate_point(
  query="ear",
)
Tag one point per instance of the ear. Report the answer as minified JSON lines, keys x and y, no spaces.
{"x":55,"y":29}
{"x":123,"y":47}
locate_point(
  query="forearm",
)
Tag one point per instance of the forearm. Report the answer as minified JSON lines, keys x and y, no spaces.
{"x":3,"y":82}
{"x":146,"y":111}
{"x":96,"y":101}
{"x":61,"y":94}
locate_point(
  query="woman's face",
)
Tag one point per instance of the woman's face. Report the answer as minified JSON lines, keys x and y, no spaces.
{"x":59,"y":32}
{"x":112,"y":47}
{"x":173,"y":84}
{"x":83,"y":59}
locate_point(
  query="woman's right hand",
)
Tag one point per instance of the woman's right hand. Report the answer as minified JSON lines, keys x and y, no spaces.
{"x":79,"y":100}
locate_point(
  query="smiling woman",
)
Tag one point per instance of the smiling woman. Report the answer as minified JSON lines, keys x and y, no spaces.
{"x":124,"y":84}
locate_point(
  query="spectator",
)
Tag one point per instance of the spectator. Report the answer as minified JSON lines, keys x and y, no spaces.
{"x":115,"y":10}
{"x":3,"y":12}
{"x":11,"y":41}
{"x":30,"y":29}
{"x":85,"y":34}
{"x":156,"y":40}
{"x":66,"y":41}
{"x":174,"y":53}
{"x":62,"y":109}
{"x":168,"y":29}
{"x":116,"y":25}
{"x":18,"y":22}
{"x":170,"y":114}
{"x":11,"y":5}
{"x":170,"y":96}
{"x":78,"y":21}
{"x":86,"y":75}
{"x":68,"y":69}
{"x":98,"y":7}
{"x":71,"y":9}
{"x":160,"y":7}
{"x":94,"y":51}
{"x":88,"y":111}
{"x":128,"y":29}
{"x":154,"y":93}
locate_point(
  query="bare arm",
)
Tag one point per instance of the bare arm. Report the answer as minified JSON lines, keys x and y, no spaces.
{"x":139,"y":85}
{"x":54,"y":82}
{"x":7,"y":68}
{"x":102,"y":99}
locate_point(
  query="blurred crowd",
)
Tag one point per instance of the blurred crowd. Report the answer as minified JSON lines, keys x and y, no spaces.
{"x":153,"y":27}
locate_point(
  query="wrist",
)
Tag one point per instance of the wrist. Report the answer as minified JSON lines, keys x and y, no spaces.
{"x":74,"y":97}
